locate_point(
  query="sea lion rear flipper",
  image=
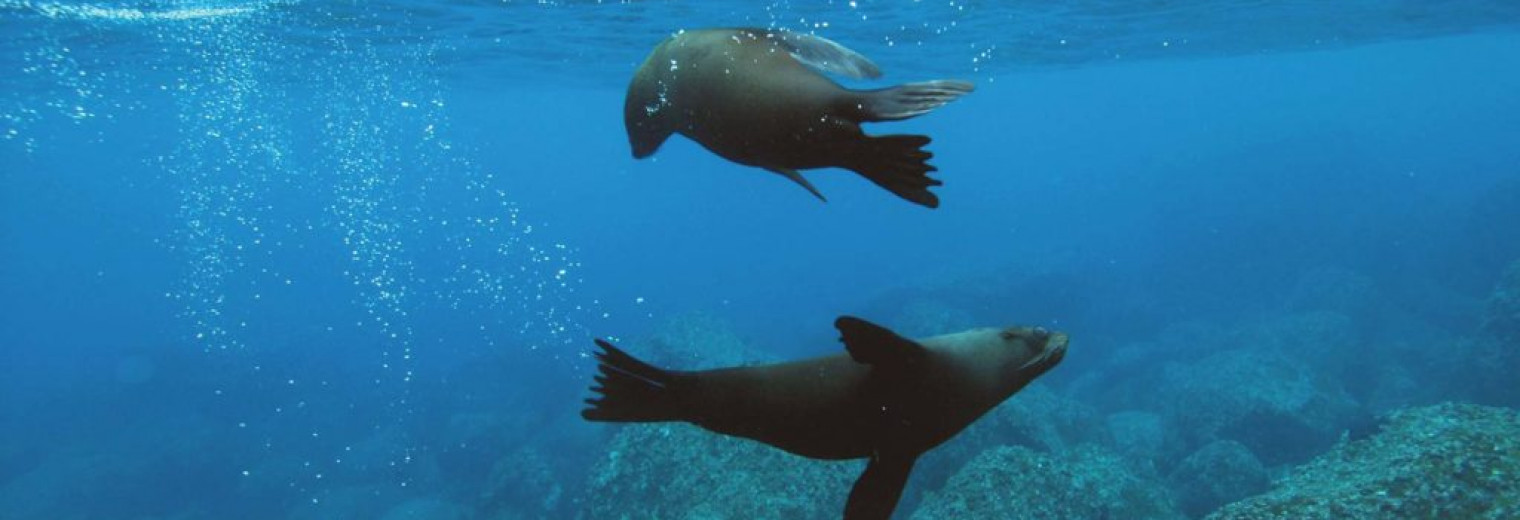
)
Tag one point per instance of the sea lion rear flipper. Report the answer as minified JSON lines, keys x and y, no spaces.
{"x":632,"y":390}
{"x":898,"y":163}
{"x":876,"y":345}
{"x":799,"y":179}
{"x":826,"y":55}
{"x":875,"y":495}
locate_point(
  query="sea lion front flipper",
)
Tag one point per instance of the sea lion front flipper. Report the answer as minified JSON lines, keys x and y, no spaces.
{"x":875,"y":495}
{"x":876,"y":345}
{"x":799,"y":179}
{"x":910,"y":100}
{"x":825,"y":55}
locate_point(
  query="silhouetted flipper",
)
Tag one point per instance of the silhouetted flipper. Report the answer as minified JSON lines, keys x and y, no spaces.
{"x":875,"y":494}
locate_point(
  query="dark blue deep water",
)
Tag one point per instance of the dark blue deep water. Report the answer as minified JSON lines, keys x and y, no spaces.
{"x":305,"y":259}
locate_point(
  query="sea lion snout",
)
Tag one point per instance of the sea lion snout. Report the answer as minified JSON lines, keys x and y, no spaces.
{"x":1052,"y":350}
{"x":644,"y":138}
{"x":1041,"y":348}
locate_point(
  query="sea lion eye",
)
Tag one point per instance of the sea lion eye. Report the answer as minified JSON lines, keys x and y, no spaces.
{"x":1007,"y":335}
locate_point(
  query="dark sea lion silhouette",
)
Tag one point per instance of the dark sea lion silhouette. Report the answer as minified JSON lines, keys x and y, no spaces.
{"x":756,"y":97}
{"x":889,"y":399}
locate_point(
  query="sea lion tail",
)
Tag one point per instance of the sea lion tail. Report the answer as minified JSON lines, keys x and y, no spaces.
{"x":910,"y":100}
{"x":900,"y":164}
{"x":631,"y":390}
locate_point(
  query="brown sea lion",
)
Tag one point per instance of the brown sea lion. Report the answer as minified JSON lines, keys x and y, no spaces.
{"x":889,"y":399}
{"x":756,"y":97}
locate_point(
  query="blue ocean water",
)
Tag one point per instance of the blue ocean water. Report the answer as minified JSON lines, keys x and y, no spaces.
{"x":301,"y":259}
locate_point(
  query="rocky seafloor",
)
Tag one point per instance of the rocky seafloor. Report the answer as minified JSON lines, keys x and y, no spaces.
{"x":1302,"y":413}
{"x":1330,"y":406}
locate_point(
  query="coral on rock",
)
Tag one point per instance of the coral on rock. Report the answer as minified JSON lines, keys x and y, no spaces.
{"x":522,"y":485}
{"x":669,"y":470}
{"x":1037,"y":417}
{"x":1139,"y":436}
{"x":1217,"y":474}
{"x":1443,"y":461}
{"x":1279,"y":408}
{"x":1012,"y":482}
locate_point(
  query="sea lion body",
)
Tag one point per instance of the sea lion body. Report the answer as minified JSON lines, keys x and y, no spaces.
{"x":889,"y":399}
{"x":746,"y":117}
{"x":756,"y":97}
{"x":824,"y":408}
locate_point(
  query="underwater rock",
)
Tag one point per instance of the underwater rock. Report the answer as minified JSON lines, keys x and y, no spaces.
{"x":1140,"y":437}
{"x":1270,"y":383}
{"x":1011,"y":482}
{"x":1326,"y":341}
{"x":674,"y":470}
{"x":1274,"y":404}
{"x":1443,"y":461}
{"x":1217,"y":474}
{"x":522,"y":485}
{"x":1393,"y":386}
{"x":1037,"y":418}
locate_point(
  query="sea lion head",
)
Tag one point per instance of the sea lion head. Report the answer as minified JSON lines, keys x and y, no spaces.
{"x":647,"y":108}
{"x":1009,"y":358}
{"x":1030,"y":351}
{"x":644,"y":115}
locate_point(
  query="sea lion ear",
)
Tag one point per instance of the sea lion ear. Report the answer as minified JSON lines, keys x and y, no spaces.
{"x":875,"y":345}
{"x":825,"y":55}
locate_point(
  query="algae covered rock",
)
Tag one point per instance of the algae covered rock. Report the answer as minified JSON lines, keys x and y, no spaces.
{"x":1217,"y":474}
{"x":1037,"y":417}
{"x":1272,"y":403}
{"x":1138,"y":436}
{"x":522,"y":485}
{"x":679,"y":471}
{"x":1444,"y":461}
{"x":1012,"y":482}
